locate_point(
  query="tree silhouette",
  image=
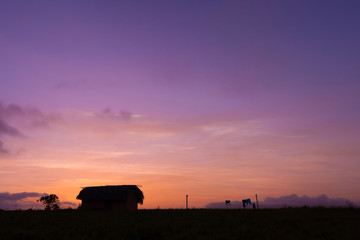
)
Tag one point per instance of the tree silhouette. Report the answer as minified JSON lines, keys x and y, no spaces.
{"x":50,"y":202}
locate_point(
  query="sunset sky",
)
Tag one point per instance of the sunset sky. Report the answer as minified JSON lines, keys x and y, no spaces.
{"x":212,"y":99}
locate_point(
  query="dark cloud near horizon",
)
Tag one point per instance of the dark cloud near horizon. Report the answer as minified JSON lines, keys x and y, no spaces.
{"x":12,"y":201}
{"x":25,"y":200}
{"x":18,"y":196}
{"x":109,"y":114}
{"x":292,"y":200}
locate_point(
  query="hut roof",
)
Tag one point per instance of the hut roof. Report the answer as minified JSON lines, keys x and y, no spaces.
{"x":115,"y":192}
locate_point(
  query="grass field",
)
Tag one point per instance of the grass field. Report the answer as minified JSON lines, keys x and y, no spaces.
{"x":287,"y":223}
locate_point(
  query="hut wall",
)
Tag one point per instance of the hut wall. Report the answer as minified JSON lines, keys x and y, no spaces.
{"x":131,"y":202}
{"x":119,"y":205}
{"x":92,"y":204}
{"x":115,"y":205}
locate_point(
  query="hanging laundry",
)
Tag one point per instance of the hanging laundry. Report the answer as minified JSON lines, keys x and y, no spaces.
{"x":246,"y":202}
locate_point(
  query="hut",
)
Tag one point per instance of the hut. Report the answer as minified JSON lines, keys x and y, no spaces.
{"x":116,"y":197}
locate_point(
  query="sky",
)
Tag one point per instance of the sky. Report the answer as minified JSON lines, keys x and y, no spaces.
{"x":212,"y":99}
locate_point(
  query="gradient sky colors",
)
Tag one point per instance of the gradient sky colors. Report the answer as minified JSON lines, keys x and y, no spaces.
{"x":214,"y":99}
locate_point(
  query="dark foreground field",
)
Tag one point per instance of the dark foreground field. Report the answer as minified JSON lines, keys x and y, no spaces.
{"x":296,"y":223}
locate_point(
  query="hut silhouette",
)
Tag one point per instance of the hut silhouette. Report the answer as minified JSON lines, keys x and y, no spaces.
{"x":115,"y":197}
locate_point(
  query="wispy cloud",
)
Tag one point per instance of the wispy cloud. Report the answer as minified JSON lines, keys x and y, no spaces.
{"x":14,"y":117}
{"x":221,"y":152}
{"x":71,"y":84}
{"x":33,"y":117}
{"x":2,"y":149}
{"x":108,"y":113}
{"x":6,"y":129}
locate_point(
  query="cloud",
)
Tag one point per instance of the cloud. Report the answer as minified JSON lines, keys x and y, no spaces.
{"x":11,"y":109}
{"x":292,"y":200}
{"x":298,"y":201}
{"x":23,"y":116}
{"x":109,"y":114}
{"x":18,"y":196}
{"x":73,"y":84}
{"x":26,"y":200}
{"x":32,"y":116}
{"x":6,"y":129}
{"x":2,"y":149}
{"x":39,"y":119}
{"x":12,"y":201}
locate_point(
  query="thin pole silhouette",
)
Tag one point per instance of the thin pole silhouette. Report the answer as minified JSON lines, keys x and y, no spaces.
{"x":187,"y":202}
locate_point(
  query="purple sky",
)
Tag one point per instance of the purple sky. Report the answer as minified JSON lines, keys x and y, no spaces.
{"x":227,"y":98}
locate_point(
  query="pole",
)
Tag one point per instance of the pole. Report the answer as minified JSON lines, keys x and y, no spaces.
{"x":187,"y":202}
{"x":257,"y":203}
